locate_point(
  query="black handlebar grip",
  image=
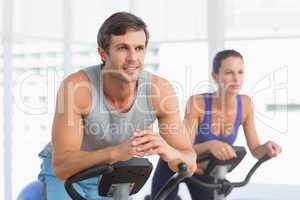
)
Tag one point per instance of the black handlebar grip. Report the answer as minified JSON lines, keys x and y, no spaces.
{"x":182,"y":168}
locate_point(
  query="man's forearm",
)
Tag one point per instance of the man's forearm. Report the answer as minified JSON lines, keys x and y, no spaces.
{"x":188,"y":153}
{"x":74,"y":162}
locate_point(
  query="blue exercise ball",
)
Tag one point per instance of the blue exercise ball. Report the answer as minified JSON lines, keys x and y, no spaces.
{"x":32,"y":191}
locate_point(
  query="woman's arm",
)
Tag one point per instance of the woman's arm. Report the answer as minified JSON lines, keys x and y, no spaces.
{"x":194,"y":114}
{"x":258,"y":150}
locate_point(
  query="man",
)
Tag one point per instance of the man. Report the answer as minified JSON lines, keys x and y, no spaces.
{"x":104,"y":113}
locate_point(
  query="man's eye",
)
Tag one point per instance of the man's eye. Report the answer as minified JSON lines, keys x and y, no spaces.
{"x":122,"y":48}
{"x":140,"y":48}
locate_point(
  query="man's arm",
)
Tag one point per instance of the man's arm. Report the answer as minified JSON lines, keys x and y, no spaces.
{"x":173,"y":144}
{"x":166,"y":104}
{"x":73,"y":101}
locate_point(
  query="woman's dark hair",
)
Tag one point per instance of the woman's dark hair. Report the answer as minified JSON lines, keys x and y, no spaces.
{"x":222,"y":55}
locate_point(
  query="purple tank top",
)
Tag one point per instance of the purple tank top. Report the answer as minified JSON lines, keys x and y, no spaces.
{"x":204,"y":131}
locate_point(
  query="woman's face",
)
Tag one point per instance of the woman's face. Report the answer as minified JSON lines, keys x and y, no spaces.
{"x":231,"y":75}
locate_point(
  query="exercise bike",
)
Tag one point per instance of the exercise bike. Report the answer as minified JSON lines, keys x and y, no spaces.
{"x":122,"y":179}
{"x":218,"y":169}
{"x":119,"y":180}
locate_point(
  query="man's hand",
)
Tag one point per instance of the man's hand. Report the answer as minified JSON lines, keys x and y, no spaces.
{"x":189,"y":159}
{"x":125,"y":151}
{"x":200,"y":168}
{"x":150,"y":144}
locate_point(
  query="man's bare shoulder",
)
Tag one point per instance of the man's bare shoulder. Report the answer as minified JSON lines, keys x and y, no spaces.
{"x":76,"y":89}
{"x":76,"y":77}
{"x":160,"y":84}
{"x":164,"y":98}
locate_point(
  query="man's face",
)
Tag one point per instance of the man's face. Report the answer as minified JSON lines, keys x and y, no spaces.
{"x":126,"y":54}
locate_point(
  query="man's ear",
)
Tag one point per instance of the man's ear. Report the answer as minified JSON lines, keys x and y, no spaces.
{"x":214,"y":76}
{"x":102,"y":53}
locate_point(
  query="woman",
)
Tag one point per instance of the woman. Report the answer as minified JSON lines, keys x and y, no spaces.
{"x":214,"y":119}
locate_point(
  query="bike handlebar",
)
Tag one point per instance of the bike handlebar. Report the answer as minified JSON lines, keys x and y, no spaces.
{"x":221,"y":184}
{"x":172,"y":182}
{"x":85,"y":174}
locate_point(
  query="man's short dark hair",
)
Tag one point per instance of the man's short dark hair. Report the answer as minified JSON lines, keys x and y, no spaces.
{"x":118,"y":24}
{"x":222,"y":55}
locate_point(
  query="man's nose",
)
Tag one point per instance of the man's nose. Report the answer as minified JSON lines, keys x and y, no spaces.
{"x":132,"y":55}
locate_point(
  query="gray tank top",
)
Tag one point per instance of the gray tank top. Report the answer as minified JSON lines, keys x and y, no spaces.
{"x":104,"y":126}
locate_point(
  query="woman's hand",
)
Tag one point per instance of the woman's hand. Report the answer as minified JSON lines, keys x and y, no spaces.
{"x":221,"y":150}
{"x":271,"y":149}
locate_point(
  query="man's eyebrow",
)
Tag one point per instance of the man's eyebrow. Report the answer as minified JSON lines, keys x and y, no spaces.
{"x":121,"y":44}
{"x":125,"y":44}
{"x":140,"y":45}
